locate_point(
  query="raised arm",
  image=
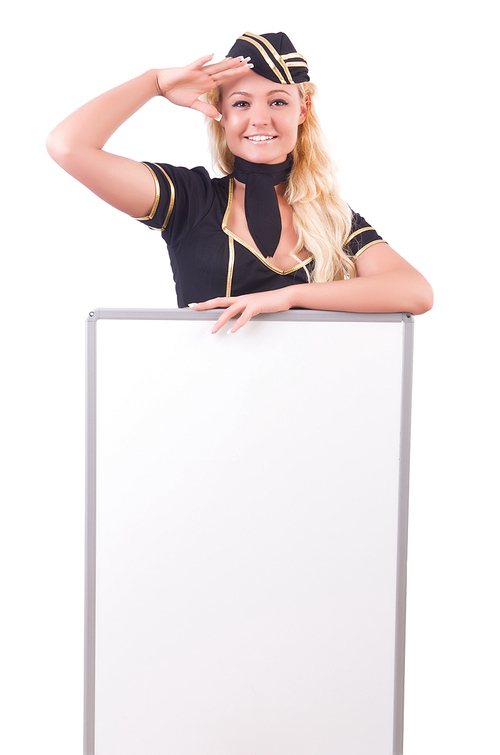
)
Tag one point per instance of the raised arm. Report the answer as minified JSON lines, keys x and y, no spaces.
{"x":77,"y":143}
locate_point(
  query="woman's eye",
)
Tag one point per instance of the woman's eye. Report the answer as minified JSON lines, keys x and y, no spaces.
{"x":279,"y":102}
{"x":240,"y":103}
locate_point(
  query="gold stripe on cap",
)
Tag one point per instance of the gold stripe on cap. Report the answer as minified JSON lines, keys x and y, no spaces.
{"x":299,"y":60}
{"x":266,"y":57}
{"x":293,"y":55}
{"x":279,"y":58}
{"x":274,"y":53}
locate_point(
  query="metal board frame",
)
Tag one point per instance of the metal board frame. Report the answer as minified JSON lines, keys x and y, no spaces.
{"x":91,"y":476}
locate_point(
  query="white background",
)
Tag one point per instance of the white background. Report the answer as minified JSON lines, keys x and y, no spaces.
{"x":408,"y":99}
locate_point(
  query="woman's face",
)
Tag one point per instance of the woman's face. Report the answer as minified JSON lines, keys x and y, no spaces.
{"x":261,"y":118}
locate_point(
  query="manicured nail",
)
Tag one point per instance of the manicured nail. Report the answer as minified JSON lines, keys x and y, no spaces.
{"x":218,"y":117}
{"x":193,"y":304}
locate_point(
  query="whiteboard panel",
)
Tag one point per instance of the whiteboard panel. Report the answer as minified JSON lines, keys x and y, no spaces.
{"x":246,"y":534}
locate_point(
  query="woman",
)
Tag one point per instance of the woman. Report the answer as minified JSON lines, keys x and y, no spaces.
{"x":273,"y":233}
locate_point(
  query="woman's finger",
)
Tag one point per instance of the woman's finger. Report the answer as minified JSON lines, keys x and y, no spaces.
{"x":227,"y":65}
{"x":204,"y":107}
{"x":244,"y":317}
{"x":228,"y":314}
{"x":231,"y":305}
{"x":245,"y":306}
{"x":200,"y":62}
{"x":221,"y":72}
{"x":220,"y":302}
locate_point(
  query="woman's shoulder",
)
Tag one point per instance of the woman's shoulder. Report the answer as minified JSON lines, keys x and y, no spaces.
{"x":197,"y":176}
{"x":183,"y":195}
{"x":362,"y":236}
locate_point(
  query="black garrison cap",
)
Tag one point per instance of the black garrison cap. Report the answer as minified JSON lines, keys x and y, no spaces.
{"x":273,"y":56}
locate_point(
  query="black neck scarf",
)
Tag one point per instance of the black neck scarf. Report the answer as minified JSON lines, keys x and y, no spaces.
{"x":261,"y":202}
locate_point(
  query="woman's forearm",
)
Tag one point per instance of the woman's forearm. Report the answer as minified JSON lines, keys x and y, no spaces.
{"x":393,"y":291}
{"x":77,"y":144}
{"x":385,"y":283}
{"x":94,"y":123}
{"x":91,"y":126}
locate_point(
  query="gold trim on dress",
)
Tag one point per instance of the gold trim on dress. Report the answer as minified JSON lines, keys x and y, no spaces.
{"x":157,"y":195}
{"x":356,"y":233}
{"x":172,"y":196}
{"x":233,"y":236}
{"x":230,"y":267}
{"x":372,"y":243}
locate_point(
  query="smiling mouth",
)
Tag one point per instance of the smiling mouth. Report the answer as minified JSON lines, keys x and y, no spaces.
{"x":260,"y":138}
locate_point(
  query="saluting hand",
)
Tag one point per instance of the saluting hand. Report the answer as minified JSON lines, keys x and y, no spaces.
{"x":184,"y":86}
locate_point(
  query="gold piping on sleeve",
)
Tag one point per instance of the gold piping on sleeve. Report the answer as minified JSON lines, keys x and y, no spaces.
{"x":372,"y":243}
{"x":257,"y":254}
{"x":230,"y":267}
{"x":157,"y":196}
{"x":356,"y":233}
{"x":172,"y":196}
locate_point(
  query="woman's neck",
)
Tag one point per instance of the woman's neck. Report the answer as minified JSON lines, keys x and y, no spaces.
{"x":239,"y":186}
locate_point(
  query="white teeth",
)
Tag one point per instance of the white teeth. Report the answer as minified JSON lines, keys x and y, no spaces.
{"x":260,"y":138}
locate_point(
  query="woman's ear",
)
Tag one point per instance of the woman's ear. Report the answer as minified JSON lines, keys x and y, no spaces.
{"x":304,"y":108}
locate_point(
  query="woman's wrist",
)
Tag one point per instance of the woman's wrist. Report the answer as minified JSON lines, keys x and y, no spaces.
{"x":297,"y":295}
{"x":149,"y":80}
{"x":154,"y":73}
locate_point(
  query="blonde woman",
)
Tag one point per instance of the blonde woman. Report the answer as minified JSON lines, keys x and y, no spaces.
{"x":273,"y":233}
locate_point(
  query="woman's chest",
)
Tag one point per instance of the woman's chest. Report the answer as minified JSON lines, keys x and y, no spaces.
{"x":288,"y":252}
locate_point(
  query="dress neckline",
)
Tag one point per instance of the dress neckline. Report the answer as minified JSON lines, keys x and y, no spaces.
{"x":256,"y":253}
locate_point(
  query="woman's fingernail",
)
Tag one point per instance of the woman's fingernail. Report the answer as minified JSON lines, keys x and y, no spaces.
{"x":193,"y":304}
{"x":218,"y":117}
{"x":230,"y":331}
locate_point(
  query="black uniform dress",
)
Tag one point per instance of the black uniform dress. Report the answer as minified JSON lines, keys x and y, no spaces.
{"x":191,"y":211}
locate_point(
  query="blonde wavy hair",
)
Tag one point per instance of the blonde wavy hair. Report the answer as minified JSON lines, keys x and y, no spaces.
{"x":321,"y":218}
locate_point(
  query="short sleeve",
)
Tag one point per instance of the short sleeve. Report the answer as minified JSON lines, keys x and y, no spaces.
{"x":182,"y":199}
{"x":362,"y":236}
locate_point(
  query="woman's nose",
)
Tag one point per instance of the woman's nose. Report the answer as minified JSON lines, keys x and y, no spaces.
{"x":259,"y":116}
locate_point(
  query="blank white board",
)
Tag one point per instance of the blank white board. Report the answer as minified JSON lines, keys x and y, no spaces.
{"x":246,"y":533}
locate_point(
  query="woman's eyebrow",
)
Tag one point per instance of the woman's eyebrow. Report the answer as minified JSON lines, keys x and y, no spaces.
{"x":249,"y":94}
